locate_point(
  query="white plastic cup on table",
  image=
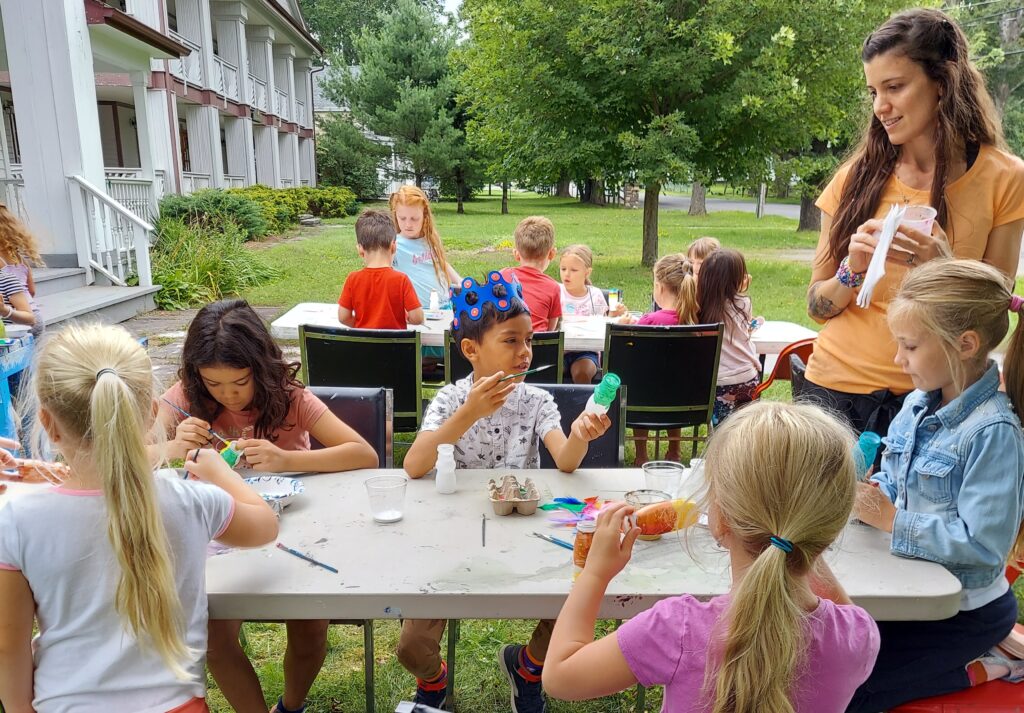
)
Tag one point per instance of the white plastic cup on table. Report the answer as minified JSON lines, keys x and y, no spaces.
{"x":613,"y":300}
{"x":663,"y":475}
{"x":919,"y":217}
{"x":387,"y":497}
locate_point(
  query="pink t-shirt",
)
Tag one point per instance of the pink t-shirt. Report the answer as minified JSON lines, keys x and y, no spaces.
{"x":306,"y":409}
{"x":668,"y":644}
{"x":661,"y":317}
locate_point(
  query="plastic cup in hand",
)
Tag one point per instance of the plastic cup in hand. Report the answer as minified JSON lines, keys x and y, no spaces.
{"x":613,"y":300}
{"x":663,"y":475}
{"x":387,"y":497}
{"x":919,"y":217}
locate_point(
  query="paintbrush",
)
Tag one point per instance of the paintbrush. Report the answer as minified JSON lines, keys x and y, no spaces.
{"x":186,"y":414}
{"x":309,"y":559}
{"x":554,"y":540}
{"x":524,"y":373}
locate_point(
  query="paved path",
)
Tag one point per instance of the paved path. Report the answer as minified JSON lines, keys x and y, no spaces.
{"x":719,"y":204}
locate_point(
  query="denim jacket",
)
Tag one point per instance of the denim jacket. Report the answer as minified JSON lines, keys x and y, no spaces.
{"x":956,"y":477}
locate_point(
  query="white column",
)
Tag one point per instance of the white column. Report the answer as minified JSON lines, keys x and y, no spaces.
{"x":230,"y":19}
{"x":144,"y":133}
{"x":293,"y":144}
{"x":203,"y":123}
{"x":261,"y":56}
{"x":50,"y":61}
{"x":145,"y":11}
{"x":206,"y":42}
{"x":268,"y":162}
{"x":284,"y":71}
{"x":303,"y":88}
{"x":212,"y":117}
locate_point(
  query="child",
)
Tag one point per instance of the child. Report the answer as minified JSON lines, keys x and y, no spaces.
{"x":950,"y":487}
{"x":699,"y":250}
{"x":378,"y":296}
{"x":581,"y":299}
{"x":478,"y":414}
{"x":721,"y":299}
{"x":18,"y":248}
{"x":534,"y":251}
{"x":115,"y":577}
{"x":674,"y":284}
{"x":786,"y":638}
{"x":419,"y":253}
{"x":235,"y":380}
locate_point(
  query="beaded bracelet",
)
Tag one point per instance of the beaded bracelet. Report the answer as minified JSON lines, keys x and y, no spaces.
{"x":848,"y":277}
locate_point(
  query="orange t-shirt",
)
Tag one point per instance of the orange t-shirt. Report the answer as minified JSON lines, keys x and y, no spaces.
{"x":854,"y":351}
{"x":380,"y":297}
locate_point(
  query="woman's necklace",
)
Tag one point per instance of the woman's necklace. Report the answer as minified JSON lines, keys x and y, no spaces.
{"x":901,"y":184}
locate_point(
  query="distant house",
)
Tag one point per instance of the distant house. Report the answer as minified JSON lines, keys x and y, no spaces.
{"x":108,"y":106}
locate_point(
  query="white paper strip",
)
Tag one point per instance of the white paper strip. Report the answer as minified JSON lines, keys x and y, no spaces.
{"x":876,"y":268}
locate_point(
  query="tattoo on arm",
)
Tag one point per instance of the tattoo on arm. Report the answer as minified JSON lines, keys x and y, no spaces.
{"x":820,"y":306}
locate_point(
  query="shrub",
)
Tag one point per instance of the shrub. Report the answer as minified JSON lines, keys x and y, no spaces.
{"x":211,"y":207}
{"x":196,"y":264}
{"x":281,"y":207}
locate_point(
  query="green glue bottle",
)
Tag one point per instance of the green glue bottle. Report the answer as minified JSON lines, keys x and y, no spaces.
{"x":603,"y":396}
{"x":230,"y":455}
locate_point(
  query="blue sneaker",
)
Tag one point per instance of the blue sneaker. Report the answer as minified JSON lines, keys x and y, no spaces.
{"x":434,"y":699}
{"x":527,"y":696}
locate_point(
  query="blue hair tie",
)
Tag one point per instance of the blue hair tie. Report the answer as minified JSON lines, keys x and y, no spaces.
{"x":471,"y":299}
{"x":783,"y":544}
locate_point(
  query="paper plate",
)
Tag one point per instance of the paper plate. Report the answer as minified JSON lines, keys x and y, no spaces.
{"x":276,"y":488}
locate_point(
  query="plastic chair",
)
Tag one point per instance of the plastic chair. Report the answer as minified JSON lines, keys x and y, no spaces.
{"x":372,"y":358}
{"x":671,"y":374}
{"x":367,"y":411}
{"x":548,"y":348}
{"x":991,"y":697}
{"x":608,"y":451}
{"x":783,"y":366}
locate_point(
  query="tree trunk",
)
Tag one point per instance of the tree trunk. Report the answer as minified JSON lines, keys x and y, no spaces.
{"x":650,"y":250}
{"x":698,"y":200}
{"x":419,"y":180}
{"x":504,"y":197}
{"x":596,"y":196}
{"x":562,"y":188}
{"x":488,"y":188}
{"x":583,"y":188}
{"x":810,"y":216}
{"x":460,"y":188}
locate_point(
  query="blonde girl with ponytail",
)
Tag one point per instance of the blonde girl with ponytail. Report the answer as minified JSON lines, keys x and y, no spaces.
{"x":786,"y":639}
{"x":111,"y":562}
{"x":950,"y":488}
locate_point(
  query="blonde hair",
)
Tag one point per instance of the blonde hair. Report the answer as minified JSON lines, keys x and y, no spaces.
{"x":535,"y":236}
{"x":798,"y":484}
{"x":700,"y":248}
{"x":97,"y":383}
{"x":413,"y":196}
{"x":15,"y":239}
{"x":585,"y":255}
{"x":675,"y":273}
{"x":948,"y":297}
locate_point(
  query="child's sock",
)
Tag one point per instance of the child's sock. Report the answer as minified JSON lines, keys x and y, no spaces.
{"x":437,"y":683}
{"x":529,"y":667}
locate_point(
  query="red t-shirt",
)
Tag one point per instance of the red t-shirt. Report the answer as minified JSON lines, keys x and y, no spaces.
{"x":541,"y":293}
{"x":380,"y":297}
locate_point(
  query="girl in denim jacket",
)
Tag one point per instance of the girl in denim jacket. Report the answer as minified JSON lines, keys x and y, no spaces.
{"x":951,"y":485}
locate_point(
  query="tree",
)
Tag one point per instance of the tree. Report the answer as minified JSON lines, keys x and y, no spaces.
{"x":346,"y":157}
{"x":337,"y":23}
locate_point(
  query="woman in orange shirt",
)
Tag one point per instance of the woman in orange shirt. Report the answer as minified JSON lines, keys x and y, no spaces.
{"x":934,"y":139}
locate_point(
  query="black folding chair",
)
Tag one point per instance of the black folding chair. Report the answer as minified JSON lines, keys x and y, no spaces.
{"x":671,"y":374}
{"x":548,"y":348}
{"x":372,"y":358}
{"x":368,"y":411}
{"x":608,"y":451}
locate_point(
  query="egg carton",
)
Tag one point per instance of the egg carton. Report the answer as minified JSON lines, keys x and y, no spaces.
{"x":509,"y":495}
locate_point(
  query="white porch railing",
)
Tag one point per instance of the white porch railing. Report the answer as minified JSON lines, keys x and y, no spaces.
{"x":304,"y":182}
{"x":225,"y":78}
{"x":286,"y":182}
{"x":118,"y":239}
{"x":192,"y":182}
{"x":281,"y":104}
{"x":234,"y":181}
{"x":189,"y":68}
{"x":130,"y":189}
{"x":258,"y":93}
{"x":300,"y":113}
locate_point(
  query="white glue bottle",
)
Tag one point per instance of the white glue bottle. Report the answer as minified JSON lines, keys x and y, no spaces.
{"x":444,"y":478}
{"x":603,"y":396}
{"x":435,"y":301}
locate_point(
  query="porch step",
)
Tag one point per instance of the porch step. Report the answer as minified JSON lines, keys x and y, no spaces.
{"x":104,"y":304}
{"x":50,"y":280}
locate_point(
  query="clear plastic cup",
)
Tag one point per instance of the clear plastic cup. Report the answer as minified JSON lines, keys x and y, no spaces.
{"x":641,"y":498}
{"x":919,"y":217}
{"x":387,"y":497}
{"x":663,"y":475}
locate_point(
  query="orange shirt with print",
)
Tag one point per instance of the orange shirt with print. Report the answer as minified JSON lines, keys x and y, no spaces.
{"x":854,"y":351}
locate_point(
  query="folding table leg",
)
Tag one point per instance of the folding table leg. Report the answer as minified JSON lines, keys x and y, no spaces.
{"x":453,"y":639}
{"x":641,"y":694}
{"x":368,"y":665}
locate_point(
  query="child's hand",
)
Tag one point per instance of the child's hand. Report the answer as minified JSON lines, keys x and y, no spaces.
{"x":36,"y":471}
{"x":619,"y":310}
{"x":873,"y":508}
{"x":487,"y":395}
{"x":207,"y":464}
{"x":609,"y":553}
{"x":588,"y":426}
{"x":627,"y":319}
{"x":262,"y":455}
{"x":192,"y":433}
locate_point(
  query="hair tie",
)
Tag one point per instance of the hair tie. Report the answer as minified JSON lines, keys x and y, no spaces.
{"x":782,"y":543}
{"x":1016,"y":303}
{"x":106,"y":370}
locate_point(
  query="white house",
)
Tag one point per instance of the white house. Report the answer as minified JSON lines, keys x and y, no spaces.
{"x":107,"y":106}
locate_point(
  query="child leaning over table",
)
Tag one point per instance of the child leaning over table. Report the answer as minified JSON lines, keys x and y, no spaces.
{"x":492,"y":424}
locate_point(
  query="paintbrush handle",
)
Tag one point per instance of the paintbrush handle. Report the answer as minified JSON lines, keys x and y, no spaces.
{"x":186,"y":414}
{"x":309,"y":559}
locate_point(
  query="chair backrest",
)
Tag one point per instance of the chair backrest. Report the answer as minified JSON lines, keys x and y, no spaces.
{"x":368,"y":411}
{"x":548,"y":348}
{"x":386,"y":358}
{"x":608,"y":451}
{"x":802,"y":349}
{"x":670,"y":371}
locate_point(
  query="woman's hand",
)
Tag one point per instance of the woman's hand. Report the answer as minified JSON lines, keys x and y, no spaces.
{"x":912,"y":247}
{"x":872,"y":507}
{"x":863,"y":244}
{"x":262,"y":455}
{"x":610,"y":552}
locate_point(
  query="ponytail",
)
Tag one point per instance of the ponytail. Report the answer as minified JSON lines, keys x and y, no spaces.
{"x":675,"y":273}
{"x":686,"y":301}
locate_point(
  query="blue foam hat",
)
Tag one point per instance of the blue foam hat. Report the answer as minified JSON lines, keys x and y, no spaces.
{"x":472,"y":296}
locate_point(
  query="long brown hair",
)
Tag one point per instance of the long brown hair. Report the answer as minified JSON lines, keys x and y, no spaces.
{"x":413,"y":196}
{"x":966,"y":116}
{"x":719,"y":286}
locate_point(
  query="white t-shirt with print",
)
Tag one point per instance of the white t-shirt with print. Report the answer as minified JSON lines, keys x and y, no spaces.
{"x":508,"y":438}
{"x":591,"y":304}
{"x":85,"y":658}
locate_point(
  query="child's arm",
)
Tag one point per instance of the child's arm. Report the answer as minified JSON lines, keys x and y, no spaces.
{"x":346,"y":316}
{"x":873,"y":507}
{"x":825,"y":585}
{"x":453,"y":277}
{"x":16,"y":602}
{"x":344,"y":449}
{"x":485,"y":397}
{"x":553,"y":324}
{"x":414,"y":316}
{"x":20,"y":309}
{"x":31,"y":282}
{"x":568,"y":452}
{"x":253,"y":522}
{"x":577,"y":667}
